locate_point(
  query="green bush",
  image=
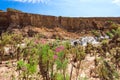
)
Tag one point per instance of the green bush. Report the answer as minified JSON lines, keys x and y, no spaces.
{"x":96,"y":33}
{"x":110,"y":34}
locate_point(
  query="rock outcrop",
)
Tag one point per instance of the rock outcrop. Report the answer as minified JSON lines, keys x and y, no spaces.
{"x":16,"y":18}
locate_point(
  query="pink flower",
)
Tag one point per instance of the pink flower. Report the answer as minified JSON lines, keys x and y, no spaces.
{"x":55,"y":57}
{"x":43,"y":41}
{"x":59,"y":49}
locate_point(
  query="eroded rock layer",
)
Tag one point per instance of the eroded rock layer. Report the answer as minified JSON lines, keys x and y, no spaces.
{"x":71,"y":24}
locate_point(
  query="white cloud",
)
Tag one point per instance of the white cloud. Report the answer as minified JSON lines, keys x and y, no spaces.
{"x":117,"y":2}
{"x":32,"y":1}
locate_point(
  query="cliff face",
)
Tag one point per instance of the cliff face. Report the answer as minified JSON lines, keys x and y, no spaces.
{"x":70,"y":24}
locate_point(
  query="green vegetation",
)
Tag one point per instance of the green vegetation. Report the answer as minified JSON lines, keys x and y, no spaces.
{"x":96,"y":33}
{"x":51,"y":60}
{"x":110,"y":34}
{"x":114,"y":32}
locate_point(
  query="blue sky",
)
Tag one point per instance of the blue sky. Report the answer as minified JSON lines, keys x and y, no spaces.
{"x":71,"y":8}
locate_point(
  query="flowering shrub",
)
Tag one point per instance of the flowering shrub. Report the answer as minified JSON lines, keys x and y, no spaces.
{"x":59,"y":49}
{"x":55,"y":57}
{"x":51,"y":60}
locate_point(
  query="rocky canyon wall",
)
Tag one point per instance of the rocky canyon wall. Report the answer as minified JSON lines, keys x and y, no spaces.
{"x":72,"y":24}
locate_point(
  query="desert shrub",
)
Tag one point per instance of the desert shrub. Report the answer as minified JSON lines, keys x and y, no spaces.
{"x":26,"y":70}
{"x":114,"y":26}
{"x":60,"y":76}
{"x":110,"y":34}
{"x":113,"y":31}
{"x":96,"y":33}
{"x":106,"y":71}
{"x":28,"y":61}
{"x":6,"y":38}
{"x":53,"y":58}
{"x":118,"y":31}
{"x":88,"y":48}
{"x":17,"y":38}
{"x":104,"y":42}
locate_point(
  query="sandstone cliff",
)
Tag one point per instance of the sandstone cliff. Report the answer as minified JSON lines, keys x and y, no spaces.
{"x":71,"y":24}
